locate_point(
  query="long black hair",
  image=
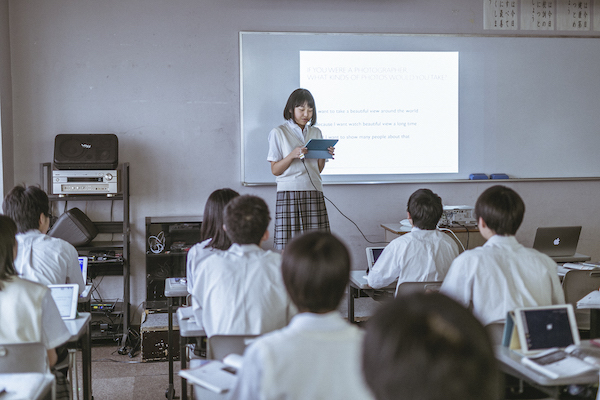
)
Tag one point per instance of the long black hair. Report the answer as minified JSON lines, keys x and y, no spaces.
{"x":8,"y":230}
{"x":212,"y":221}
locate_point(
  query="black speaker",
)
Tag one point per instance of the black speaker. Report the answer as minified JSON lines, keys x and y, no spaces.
{"x":86,"y":151}
{"x":74,"y":227}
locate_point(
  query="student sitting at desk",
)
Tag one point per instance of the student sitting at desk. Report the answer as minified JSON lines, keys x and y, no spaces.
{"x":423,"y":254}
{"x":426,"y":346}
{"x":240,"y":291}
{"x":28,"y":312}
{"x":502,"y":274}
{"x":212,"y":236}
{"x":317,"y":356}
{"x":41,"y":258}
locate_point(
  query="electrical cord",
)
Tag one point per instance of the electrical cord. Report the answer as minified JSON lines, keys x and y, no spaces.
{"x":336,"y":207}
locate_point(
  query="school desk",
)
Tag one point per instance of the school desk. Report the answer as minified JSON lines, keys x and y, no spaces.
{"x":174,"y":287}
{"x":358,"y":287}
{"x":81,"y":334}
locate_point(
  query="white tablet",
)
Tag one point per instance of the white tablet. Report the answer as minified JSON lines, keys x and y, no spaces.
{"x":65,"y":296}
{"x":542,"y":328}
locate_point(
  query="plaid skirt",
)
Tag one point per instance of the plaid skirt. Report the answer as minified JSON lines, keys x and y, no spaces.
{"x":297,"y":212}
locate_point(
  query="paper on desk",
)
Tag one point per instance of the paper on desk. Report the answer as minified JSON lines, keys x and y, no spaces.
{"x":591,"y":300}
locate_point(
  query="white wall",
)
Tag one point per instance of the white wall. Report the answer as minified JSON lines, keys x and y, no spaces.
{"x":163,"y":75}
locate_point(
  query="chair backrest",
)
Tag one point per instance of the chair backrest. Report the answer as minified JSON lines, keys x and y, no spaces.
{"x":220,"y":346}
{"x":412,"y":287}
{"x":23,"y":357}
{"x":578,"y":283}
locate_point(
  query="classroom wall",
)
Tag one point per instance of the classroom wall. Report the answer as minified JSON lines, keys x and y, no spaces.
{"x":164,"y":76}
{"x":6,"y":150}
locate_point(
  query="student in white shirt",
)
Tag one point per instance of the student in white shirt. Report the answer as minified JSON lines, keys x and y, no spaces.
{"x":502,"y":274}
{"x":317,"y":356}
{"x":423,"y":254}
{"x":40,"y":258}
{"x":240,"y":291}
{"x":426,"y":346}
{"x":212,"y":236}
{"x":300,"y":203}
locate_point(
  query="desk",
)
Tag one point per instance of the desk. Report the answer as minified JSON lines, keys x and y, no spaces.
{"x":469,"y":235}
{"x":81,"y":333}
{"x":358,"y":287}
{"x":188,"y":328}
{"x":510,"y":363}
{"x":29,"y":385}
{"x":174,"y":287}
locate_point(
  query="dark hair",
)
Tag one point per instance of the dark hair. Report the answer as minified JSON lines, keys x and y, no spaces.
{"x":8,"y":230}
{"x":212,"y":221}
{"x":501,"y":208}
{"x":316,"y":270}
{"x":425,"y":208}
{"x":246,"y":219}
{"x":299,"y":97}
{"x":25,"y":205}
{"x":427,"y":346}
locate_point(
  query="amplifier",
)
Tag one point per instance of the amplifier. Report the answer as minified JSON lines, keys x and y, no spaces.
{"x":85,"y":182}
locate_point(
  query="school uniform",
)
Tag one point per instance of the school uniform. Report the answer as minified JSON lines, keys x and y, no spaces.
{"x":417,"y":256}
{"x":29,"y":314}
{"x":300,"y":204}
{"x":195,"y":255}
{"x":47,"y":260}
{"x":317,"y":356}
{"x":500,"y":276}
{"x":240,"y":291}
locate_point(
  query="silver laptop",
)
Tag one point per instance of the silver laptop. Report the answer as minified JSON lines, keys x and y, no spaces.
{"x":373,"y":254}
{"x":557,"y":241}
{"x":66,"y":296}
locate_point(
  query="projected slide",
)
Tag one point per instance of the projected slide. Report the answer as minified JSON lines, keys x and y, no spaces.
{"x":393,"y":112}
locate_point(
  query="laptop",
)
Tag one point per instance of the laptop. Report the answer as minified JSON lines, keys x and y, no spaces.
{"x":83,"y":264}
{"x":66,"y":296}
{"x":373,"y":254}
{"x":557,"y":241}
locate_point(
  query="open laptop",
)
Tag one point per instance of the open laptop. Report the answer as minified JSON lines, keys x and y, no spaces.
{"x":373,"y":254}
{"x":66,"y":296}
{"x":83,"y":264}
{"x":557,"y":241}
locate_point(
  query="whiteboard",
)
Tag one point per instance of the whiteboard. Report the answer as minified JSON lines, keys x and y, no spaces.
{"x":529,"y":107}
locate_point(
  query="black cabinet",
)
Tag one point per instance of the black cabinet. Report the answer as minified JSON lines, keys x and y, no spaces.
{"x":168,"y":240}
{"x":108,"y":257}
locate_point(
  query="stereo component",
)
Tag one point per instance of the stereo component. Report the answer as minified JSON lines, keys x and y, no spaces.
{"x":85,"y":182}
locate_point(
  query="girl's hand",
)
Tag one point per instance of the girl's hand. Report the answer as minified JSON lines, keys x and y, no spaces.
{"x":299,"y":152}
{"x":331,"y":150}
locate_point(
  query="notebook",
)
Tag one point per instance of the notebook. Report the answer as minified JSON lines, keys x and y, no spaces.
{"x":557,"y":241}
{"x":65,"y":296}
{"x":373,"y":254}
{"x":83,"y":264}
{"x":545,"y":327}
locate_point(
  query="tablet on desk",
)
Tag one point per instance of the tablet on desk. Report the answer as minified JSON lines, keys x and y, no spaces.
{"x":317,"y":148}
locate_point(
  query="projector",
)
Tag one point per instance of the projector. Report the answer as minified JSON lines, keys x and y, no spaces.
{"x":457,"y":215}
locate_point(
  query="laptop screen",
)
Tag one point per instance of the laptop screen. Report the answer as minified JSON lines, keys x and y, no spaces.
{"x":65,"y":296}
{"x":557,"y":241}
{"x":83,"y":265}
{"x":547,"y":327}
{"x":373,"y":254}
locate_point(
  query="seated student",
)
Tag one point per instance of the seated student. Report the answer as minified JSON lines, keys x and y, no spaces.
{"x":423,"y":254}
{"x":212,"y":236}
{"x":41,"y":258}
{"x":426,"y":346}
{"x":502,"y":274}
{"x":240,"y":291}
{"x":317,"y":356}
{"x":28,"y":311}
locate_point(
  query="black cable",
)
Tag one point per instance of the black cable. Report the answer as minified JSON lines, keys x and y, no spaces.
{"x":336,"y":207}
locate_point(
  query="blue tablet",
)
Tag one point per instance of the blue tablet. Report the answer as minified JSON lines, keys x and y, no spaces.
{"x":317,"y":148}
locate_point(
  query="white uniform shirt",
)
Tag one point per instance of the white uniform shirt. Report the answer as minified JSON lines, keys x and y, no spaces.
{"x":195,"y":255}
{"x":500,"y":276}
{"x":317,"y":356}
{"x":28,"y":313}
{"x":47,"y":260}
{"x":284,"y":139}
{"x":240,"y":291}
{"x":417,"y":256}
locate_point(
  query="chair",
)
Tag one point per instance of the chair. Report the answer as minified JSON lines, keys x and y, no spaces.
{"x":23,"y":357}
{"x":576,"y":285}
{"x":220,"y":346}
{"x":412,"y":287}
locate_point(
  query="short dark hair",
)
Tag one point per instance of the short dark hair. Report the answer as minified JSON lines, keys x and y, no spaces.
{"x":25,"y":205}
{"x":212,"y":221}
{"x":246,"y":219}
{"x":299,"y":97}
{"x":427,"y":346}
{"x":316,"y":270}
{"x":501,"y":208}
{"x":425,"y":208}
{"x":8,"y":230}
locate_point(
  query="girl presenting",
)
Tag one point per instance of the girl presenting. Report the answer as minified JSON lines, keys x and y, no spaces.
{"x":300,"y":203}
